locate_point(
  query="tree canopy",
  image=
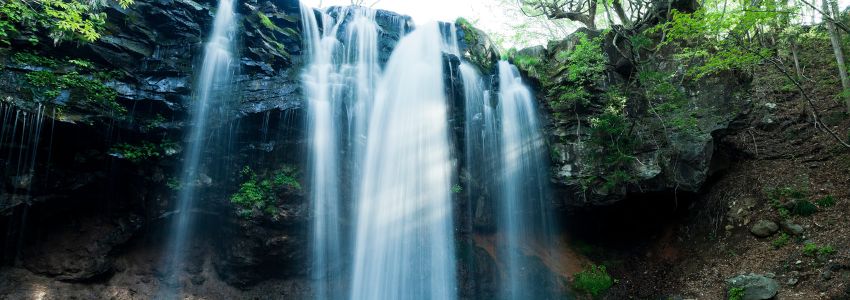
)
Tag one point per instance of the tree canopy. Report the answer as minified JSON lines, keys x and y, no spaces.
{"x":61,"y":20}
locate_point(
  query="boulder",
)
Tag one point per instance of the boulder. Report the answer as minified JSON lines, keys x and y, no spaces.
{"x":791,"y":228}
{"x":756,"y":287}
{"x":764,"y":228}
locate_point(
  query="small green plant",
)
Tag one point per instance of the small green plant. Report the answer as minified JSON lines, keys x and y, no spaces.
{"x":826,"y":250}
{"x":827,"y":201}
{"x":779,"y":196}
{"x":153,"y":123}
{"x":470,"y":36}
{"x":174,"y":184}
{"x":594,"y":280}
{"x":258,"y":195}
{"x":736,"y":293}
{"x":812,"y":249}
{"x":457,"y":189}
{"x":781,"y":241}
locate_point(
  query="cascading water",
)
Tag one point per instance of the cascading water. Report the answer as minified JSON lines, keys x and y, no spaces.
{"x":388,"y":134}
{"x":339,"y":81}
{"x":523,"y":218}
{"x":404,"y":239}
{"x":213,"y":83}
{"x":20,"y":133}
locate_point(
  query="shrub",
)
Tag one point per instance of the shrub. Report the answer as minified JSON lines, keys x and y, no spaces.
{"x":736,"y":293}
{"x":258,"y":195}
{"x":812,"y":249}
{"x":826,"y":250}
{"x":827,"y":201}
{"x":457,"y":189}
{"x":781,"y":241}
{"x":593,"y":281}
{"x":804,"y":208}
{"x":136,"y":153}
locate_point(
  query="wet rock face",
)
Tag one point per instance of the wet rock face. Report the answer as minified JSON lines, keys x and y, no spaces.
{"x":80,"y":251}
{"x":154,"y":46}
{"x":253,"y":252}
{"x":662,"y":158}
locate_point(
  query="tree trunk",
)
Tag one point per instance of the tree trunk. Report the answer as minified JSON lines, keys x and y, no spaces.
{"x":795,"y":50}
{"x":621,"y":13}
{"x":591,"y":14}
{"x":839,"y":55}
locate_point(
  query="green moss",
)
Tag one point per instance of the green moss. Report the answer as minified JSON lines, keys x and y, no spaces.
{"x":266,"y":22}
{"x":593,"y":281}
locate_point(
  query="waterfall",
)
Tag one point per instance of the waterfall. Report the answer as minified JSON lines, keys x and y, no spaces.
{"x":404,"y":239}
{"x":212,"y":85}
{"x":321,"y":89}
{"x":339,"y":85}
{"x":523,"y":217}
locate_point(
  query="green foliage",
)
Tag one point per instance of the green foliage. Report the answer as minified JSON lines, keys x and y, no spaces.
{"x":735,"y":293}
{"x":257,"y":195}
{"x":667,"y":102}
{"x":804,"y":208}
{"x":779,"y":196}
{"x":526,"y":62}
{"x":88,"y":89}
{"x":594,"y":280}
{"x":142,"y":152}
{"x":174,"y":184}
{"x":586,"y":63}
{"x":781,"y":241}
{"x":612,"y":141}
{"x":470,"y":35}
{"x":582,"y":68}
{"x":63,"y":20}
{"x":286,"y":177}
{"x":713,"y":41}
{"x":827,"y":201}
{"x":26,"y":58}
{"x":136,"y":153}
{"x":812,"y":249}
{"x":457,"y":189}
{"x":155,"y":122}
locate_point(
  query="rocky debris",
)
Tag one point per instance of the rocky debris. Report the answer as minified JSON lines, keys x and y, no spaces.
{"x":764,"y":228}
{"x":756,"y":287}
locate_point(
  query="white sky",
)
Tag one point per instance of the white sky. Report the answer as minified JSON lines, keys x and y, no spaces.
{"x":483,"y":13}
